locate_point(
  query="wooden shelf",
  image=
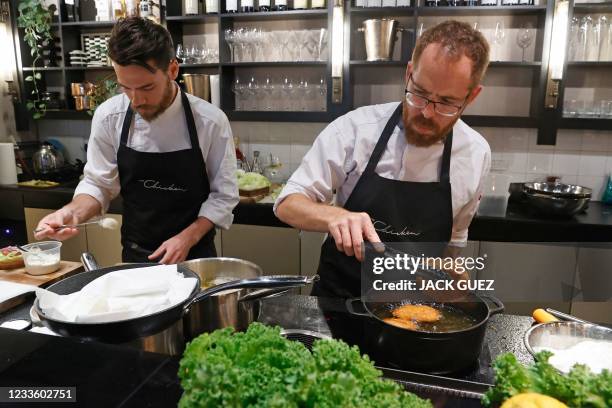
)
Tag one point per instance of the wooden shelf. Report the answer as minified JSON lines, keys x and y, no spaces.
{"x":501,"y":121}
{"x":105,"y":68}
{"x":66,"y":114}
{"x":360,"y":63}
{"x":594,"y":64}
{"x":283,"y":116}
{"x":207,"y":65}
{"x":605,"y":7}
{"x":481,"y":10}
{"x":29,"y":69}
{"x":518,"y":64}
{"x":276,"y":64}
{"x":92,"y":24}
{"x":192,"y":19}
{"x":391,"y":11}
{"x":586,"y":123}
{"x":277,"y":15}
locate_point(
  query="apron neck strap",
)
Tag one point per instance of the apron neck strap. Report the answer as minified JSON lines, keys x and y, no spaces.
{"x":383,"y":139}
{"x":446,"y":158}
{"x":191,"y":127}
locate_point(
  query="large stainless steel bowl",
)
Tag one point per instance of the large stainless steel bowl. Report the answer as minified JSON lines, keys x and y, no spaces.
{"x":558,"y":190}
{"x":562,"y":335}
{"x":556,"y":199}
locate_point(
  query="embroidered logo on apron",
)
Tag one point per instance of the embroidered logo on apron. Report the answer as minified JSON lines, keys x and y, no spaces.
{"x":382,"y":226}
{"x":156,"y":185}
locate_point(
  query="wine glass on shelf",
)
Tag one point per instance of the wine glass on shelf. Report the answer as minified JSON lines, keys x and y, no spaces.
{"x":252,"y":93}
{"x":288,"y":91}
{"x":303,"y":94}
{"x":524,"y":39}
{"x":180,"y":53}
{"x":230,"y":39}
{"x":322,"y":93}
{"x":499,"y":36}
{"x":238,"y":90}
{"x":267,"y":90}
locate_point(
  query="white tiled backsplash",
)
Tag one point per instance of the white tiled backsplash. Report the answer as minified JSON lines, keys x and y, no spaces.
{"x":580,"y":157}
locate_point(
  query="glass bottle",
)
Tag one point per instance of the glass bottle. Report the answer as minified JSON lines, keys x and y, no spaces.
{"x":118,"y":9}
{"x":272,"y":172}
{"x":191,"y":7}
{"x":240,"y":158}
{"x":231,"y":6}
{"x":256,"y":167}
{"x":247,"y":6}
{"x":280,"y":5}
{"x":264,"y":5}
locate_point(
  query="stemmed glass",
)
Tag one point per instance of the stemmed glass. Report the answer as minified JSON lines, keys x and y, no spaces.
{"x":322,"y":91}
{"x":288,"y":91}
{"x":267,"y":89}
{"x":498,"y":37}
{"x":303,"y":92}
{"x":524,"y":39}
{"x":238,"y":89}
{"x":573,"y":39}
{"x":252,"y":91}
{"x":230,"y":39}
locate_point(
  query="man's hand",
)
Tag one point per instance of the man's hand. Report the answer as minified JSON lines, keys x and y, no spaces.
{"x":80,"y":209}
{"x":176,"y":249}
{"x":48,"y":224}
{"x":349,"y":230}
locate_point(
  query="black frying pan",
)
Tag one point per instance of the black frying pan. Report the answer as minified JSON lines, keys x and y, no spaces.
{"x":123,"y":331}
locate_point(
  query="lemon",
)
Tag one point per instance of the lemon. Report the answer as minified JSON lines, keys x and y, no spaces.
{"x":532,"y":400}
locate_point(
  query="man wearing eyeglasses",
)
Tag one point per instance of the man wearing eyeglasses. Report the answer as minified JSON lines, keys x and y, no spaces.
{"x":411,"y":171}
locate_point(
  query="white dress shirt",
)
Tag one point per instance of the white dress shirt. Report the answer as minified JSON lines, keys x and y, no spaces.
{"x":166,"y":133}
{"x":341,"y":152}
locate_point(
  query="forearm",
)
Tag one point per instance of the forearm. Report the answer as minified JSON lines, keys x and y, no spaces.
{"x":301,"y":212}
{"x":197,"y":229}
{"x":83,"y":207}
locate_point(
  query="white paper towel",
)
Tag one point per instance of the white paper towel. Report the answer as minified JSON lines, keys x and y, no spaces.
{"x":8,"y":169}
{"x":215,"y":95}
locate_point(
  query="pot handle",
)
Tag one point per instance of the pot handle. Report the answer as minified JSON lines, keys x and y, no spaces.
{"x":349,"y":307}
{"x":263,"y":294}
{"x":89,"y":262}
{"x":281,"y":281}
{"x":495,"y":305}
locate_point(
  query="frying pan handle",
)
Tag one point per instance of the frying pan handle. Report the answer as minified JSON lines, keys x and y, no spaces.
{"x":259,"y":282}
{"x":495,"y":305}
{"x":89,"y":262}
{"x":349,"y":307}
{"x":263,"y":294}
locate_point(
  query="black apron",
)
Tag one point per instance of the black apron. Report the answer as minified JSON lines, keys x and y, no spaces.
{"x":162,"y":193}
{"x":401,"y":211}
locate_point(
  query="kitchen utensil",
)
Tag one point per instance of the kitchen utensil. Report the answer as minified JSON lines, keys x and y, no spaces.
{"x":380,"y":36}
{"x":47,"y":159}
{"x":42,"y":258}
{"x":558,"y":190}
{"x":236,"y":308}
{"x":565,"y":316}
{"x":158,"y":332}
{"x":542,"y":316}
{"x":431,"y":352}
{"x":198,"y":85}
{"x":556,"y":206}
{"x":563,"y":335}
{"x":105,"y":222}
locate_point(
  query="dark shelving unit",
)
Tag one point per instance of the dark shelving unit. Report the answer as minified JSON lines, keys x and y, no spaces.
{"x":69,"y":34}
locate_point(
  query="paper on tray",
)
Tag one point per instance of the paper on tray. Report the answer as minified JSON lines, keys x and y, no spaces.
{"x":120,"y":295}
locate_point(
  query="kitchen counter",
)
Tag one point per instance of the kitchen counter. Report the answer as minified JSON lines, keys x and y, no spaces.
{"x":108,"y":375}
{"x":594,"y":225}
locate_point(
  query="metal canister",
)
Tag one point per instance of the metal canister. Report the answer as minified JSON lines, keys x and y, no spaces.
{"x":198,"y":85}
{"x":380,"y":36}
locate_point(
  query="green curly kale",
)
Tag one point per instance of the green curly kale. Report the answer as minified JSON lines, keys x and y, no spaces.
{"x":579,"y":388}
{"x":260,"y":368}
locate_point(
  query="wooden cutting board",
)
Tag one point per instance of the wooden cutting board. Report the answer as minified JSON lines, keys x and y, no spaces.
{"x":20,"y":275}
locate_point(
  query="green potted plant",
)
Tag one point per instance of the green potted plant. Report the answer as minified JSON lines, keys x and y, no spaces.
{"x":103,"y":89}
{"x":35,"y":20}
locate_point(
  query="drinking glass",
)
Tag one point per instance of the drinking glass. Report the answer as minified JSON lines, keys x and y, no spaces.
{"x":238,"y":89}
{"x":180,"y":53}
{"x":288,"y":90}
{"x":499,"y":36}
{"x":322,"y":92}
{"x":230,"y":39}
{"x":252,"y":94}
{"x":267,"y":90}
{"x":524,"y":39}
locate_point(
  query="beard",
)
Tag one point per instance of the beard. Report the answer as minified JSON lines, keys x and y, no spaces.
{"x":423,"y":132}
{"x":150,"y":112}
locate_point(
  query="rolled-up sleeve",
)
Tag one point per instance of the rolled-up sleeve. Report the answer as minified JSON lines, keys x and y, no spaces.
{"x":323,"y":169}
{"x":100,"y":175}
{"x":221,"y":169}
{"x":463,"y":219}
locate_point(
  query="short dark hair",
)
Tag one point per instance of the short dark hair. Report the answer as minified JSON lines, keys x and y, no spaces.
{"x":457,"y":39}
{"x":135,"y":41}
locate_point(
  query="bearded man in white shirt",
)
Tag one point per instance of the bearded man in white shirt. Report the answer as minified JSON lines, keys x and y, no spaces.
{"x":169,"y":154}
{"x":392,"y":165}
